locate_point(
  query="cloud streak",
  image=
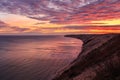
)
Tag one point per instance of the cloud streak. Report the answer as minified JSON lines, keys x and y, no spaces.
{"x":60,"y":11}
{"x":64,"y":12}
{"x":4,"y":28}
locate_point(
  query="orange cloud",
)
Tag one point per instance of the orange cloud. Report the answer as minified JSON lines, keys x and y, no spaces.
{"x":63,"y":17}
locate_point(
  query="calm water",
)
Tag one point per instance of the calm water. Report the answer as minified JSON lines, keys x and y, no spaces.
{"x":35,"y":57}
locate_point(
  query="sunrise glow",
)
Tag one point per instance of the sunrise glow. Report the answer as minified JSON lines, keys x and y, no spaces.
{"x":60,"y":19}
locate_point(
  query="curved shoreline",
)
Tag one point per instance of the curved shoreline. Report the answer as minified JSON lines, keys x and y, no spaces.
{"x":91,"y":61}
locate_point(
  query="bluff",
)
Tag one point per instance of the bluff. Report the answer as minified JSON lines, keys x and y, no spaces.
{"x":99,"y":59}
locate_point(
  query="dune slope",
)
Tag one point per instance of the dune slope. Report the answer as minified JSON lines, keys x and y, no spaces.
{"x":99,"y":59}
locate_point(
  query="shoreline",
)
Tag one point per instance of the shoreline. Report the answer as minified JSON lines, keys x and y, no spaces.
{"x":93,"y":46}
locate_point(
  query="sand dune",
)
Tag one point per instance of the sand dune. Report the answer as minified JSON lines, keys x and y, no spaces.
{"x":99,"y":59}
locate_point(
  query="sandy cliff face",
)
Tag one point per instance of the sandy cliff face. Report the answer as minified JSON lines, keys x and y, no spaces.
{"x":99,"y":59}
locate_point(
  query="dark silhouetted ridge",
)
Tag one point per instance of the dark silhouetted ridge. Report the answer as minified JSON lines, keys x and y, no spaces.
{"x":99,"y":59}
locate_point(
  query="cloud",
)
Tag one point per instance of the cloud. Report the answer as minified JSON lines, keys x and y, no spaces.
{"x":63,"y":11}
{"x":7,"y":28}
{"x":3,"y":25}
{"x":20,"y":29}
{"x":81,"y":29}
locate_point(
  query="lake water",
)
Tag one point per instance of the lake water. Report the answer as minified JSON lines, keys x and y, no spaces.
{"x":35,"y":57}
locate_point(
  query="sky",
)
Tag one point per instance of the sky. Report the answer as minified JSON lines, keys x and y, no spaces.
{"x":43,"y":17}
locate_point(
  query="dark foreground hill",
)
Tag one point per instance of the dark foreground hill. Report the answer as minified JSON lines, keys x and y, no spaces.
{"x":99,"y":59}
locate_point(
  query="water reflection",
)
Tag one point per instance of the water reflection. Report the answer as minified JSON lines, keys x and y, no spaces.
{"x":35,"y":58}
